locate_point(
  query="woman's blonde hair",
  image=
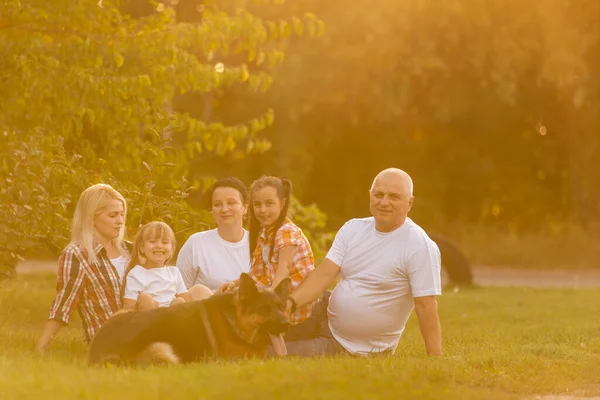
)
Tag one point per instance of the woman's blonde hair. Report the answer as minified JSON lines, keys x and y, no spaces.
{"x":92,"y":202}
{"x":151,"y":230}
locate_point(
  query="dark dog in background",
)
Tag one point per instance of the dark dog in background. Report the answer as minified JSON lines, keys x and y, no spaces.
{"x":232,"y":325}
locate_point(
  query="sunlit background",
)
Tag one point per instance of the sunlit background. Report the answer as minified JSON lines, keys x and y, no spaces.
{"x":491,"y":106}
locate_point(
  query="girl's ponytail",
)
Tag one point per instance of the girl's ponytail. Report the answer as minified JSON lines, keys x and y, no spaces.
{"x":287,"y":188}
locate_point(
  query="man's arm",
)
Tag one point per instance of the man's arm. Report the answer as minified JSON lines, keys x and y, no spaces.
{"x":429,"y":323}
{"x":322,"y":277}
{"x":315,"y":283}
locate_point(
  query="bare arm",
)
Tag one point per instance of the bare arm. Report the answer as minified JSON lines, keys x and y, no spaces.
{"x":429,"y":324}
{"x":50,"y":330}
{"x":286,"y":258}
{"x":129,"y":304}
{"x":70,"y":278}
{"x":315,"y":283}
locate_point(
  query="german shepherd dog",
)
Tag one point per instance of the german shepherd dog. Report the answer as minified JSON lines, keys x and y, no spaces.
{"x":231,"y":325}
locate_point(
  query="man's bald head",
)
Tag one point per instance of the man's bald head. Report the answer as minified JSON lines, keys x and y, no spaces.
{"x":390,"y":198}
{"x":402,"y":176}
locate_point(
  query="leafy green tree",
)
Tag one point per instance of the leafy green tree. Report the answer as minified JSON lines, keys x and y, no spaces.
{"x":87,"y":96}
{"x":492,"y":106}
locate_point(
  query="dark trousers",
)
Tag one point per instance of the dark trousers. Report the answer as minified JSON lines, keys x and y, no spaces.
{"x":314,"y":326}
{"x":313,"y":336}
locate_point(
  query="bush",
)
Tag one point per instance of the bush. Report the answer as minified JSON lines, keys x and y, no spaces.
{"x":90,"y":98}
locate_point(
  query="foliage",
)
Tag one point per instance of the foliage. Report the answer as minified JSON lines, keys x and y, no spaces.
{"x":492,"y":107}
{"x":313,"y":223}
{"x":87,"y":97}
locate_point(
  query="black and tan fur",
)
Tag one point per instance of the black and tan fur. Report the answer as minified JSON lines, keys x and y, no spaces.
{"x":231,"y":325}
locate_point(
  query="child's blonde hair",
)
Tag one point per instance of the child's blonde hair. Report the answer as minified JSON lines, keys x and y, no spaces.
{"x":152,"y":230}
{"x":92,"y":202}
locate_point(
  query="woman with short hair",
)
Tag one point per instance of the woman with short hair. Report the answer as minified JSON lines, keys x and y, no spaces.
{"x":219,"y":255}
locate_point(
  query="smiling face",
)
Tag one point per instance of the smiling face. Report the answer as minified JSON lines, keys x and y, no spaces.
{"x":157,"y":251}
{"x":154,"y":245}
{"x":109,"y":220}
{"x":228,"y":207}
{"x":267,"y":205}
{"x":390,"y":200}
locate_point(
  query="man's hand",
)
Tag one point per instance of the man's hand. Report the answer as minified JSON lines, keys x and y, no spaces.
{"x":316,"y":282}
{"x":289,"y":307}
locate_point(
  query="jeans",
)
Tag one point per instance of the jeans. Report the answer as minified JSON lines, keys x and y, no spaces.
{"x":313,"y":336}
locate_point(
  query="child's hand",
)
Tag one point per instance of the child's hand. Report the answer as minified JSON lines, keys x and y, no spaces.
{"x":227,"y":287}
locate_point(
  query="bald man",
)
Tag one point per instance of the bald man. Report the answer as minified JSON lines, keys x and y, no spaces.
{"x":389,"y":266}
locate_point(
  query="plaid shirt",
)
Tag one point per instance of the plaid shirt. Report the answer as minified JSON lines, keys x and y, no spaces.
{"x":92,"y":289}
{"x":263,"y":270}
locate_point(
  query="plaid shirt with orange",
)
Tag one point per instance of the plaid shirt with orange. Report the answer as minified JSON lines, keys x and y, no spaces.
{"x":91,"y":288}
{"x":263,"y":269}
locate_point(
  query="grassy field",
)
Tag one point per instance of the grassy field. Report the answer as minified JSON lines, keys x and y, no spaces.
{"x":499,"y":343}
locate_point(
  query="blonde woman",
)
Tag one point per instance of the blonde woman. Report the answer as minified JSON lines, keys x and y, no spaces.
{"x":91,"y":267}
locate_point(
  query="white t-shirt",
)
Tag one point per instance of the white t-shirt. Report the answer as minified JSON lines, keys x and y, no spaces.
{"x":210,"y":260}
{"x":163,"y":283}
{"x":119,"y":263}
{"x":381,"y":273}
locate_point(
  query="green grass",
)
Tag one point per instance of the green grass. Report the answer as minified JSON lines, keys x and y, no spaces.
{"x":499,"y":343}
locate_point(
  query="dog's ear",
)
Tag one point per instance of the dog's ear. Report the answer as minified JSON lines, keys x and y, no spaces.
{"x":284,"y":288}
{"x":247,"y":286}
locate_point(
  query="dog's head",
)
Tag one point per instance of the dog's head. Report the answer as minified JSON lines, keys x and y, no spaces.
{"x":261,"y":313}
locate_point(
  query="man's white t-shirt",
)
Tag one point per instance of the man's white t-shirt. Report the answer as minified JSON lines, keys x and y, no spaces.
{"x":381,"y":273}
{"x":163,"y":283}
{"x":208,"y":259}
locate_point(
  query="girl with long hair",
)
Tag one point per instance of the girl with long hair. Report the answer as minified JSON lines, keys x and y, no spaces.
{"x":278,"y":247}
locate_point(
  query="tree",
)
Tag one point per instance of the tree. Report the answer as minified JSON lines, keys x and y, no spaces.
{"x":490,"y":105}
{"x":87,"y":94}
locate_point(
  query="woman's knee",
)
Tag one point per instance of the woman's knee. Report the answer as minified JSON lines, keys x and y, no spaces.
{"x":200,"y":292}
